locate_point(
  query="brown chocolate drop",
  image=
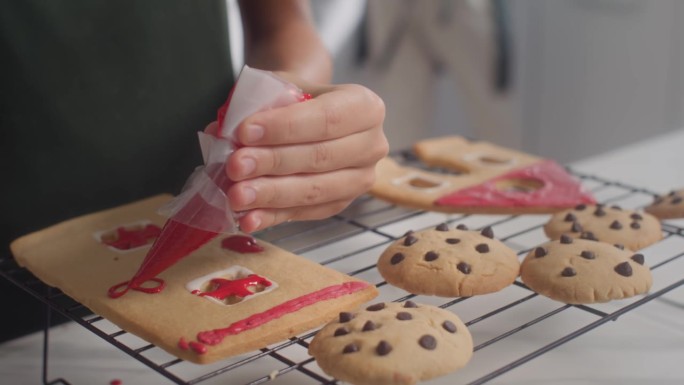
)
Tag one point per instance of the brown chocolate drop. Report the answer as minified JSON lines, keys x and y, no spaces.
{"x":404,"y":316}
{"x":408,"y":233}
{"x":540,"y":252}
{"x":369,"y":326}
{"x":570,"y":217}
{"x":449,"y":326}
{"x":350,"y":348}
{"x":658,"y":200}
{"x":346,"y":317}
{"x":619,"y":246}
{"x":431,"y":256}
{"x":377,"y":307}
{"x":616,"y":225}
{"x":565,"y":239}
{"x":487,"y":232}
{"x":453,"y":241}
{"x":428,"y":342}
{"x":462,"y":227}
{"x":410,"y":240}
{"x":383,"y":348}
{"x":397,"y":258}
{"x":341,"y":332}
{"x":624,"y":269}
{"x":410,"y":304}
{"x":676,"y":200}
{"x":616,"y":207}
{"x":636,"y":217}
{"x":482,"y":248}
{"x":464,"y":268}
{"x":638,"y":258}
{"x":442,"y":227}
{"x":580,"y":207}
{"x":588,"y":235}
{"x":599,"y":212}
{"x":568,"y":272}
{"x":576,"y":227}
{"x":586,"y":254}
{"x":635,"y":225}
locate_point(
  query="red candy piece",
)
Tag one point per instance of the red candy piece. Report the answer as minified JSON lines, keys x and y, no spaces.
{"x":130,"y":239}
{"x":237,"y":287}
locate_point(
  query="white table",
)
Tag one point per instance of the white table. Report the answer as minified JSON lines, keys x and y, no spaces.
{"x":644,"y":346}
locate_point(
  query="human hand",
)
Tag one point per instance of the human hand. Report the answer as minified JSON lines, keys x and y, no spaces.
{"x":308,"y":160}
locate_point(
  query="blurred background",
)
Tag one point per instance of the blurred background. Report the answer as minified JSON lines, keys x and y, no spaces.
{"x":565,"y":79}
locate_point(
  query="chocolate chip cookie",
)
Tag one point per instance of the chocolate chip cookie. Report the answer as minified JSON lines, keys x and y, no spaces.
{"x":580,"y":271}
{"x":669,"y":206}
{"x":610,"y":224}
{"x":449,"y":262}
{"x":392,"y":343}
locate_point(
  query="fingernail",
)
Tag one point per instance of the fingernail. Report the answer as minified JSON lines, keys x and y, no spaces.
{"x":248,"y":195}
{"x":256,"y":221}
{"x":254,"y":133}
{"x":248,"y":165}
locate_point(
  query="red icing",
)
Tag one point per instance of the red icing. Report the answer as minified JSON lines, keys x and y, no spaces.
{"x":242,"y":244}
{"x":213,"y":337}
{"x":129,"y":239}
{"x":237,"y":287}
{"x":120,"y":289}
{"x":558,"y":189}
{"x":183,"y":344}
{"x":198,"y":347}
{"x":115,"y":382}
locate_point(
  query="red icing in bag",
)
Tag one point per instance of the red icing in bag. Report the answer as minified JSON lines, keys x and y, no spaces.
{"x":541,"y":184}
{"x":242,"y":244}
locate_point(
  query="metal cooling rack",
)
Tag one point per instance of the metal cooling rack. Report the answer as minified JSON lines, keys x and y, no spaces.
{"x":351,"y":242}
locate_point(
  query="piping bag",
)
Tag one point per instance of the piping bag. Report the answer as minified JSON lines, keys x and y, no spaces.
{"x":202,"y":211}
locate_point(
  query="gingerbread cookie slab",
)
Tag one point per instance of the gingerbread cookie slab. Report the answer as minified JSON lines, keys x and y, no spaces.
{"x":224,"y":299}
{"x":392,"y":344}
{"x":579,"y":271}
{"x":610,"y":224}
{"x":449,"y":262}
{"x":669,"y":206}
{"x":486,"y":179}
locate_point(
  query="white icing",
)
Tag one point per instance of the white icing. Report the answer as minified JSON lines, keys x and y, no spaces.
{"x":232,"y":272}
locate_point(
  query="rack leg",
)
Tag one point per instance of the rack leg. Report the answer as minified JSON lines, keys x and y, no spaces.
{"x":46,"y":343}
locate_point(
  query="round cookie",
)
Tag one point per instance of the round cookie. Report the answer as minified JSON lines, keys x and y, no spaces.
{"x":392,"y":343}
{"x":668,"y":206}
{"x":610,"y":224}
{"x":580,"y":271}
{"x":449,"y":262}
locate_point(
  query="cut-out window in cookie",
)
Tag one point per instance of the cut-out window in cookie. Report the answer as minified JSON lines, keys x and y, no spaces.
{"x":519,"y":185}
{"x":492,"y":160}
{"x":130,"y":236}
{"x":230,"y":286}
{"x":420,"y":182}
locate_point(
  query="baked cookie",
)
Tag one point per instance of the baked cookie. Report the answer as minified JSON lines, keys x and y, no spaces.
{"x":483,"y":178}
{"x":611,"y":224}
{"x":392,"y":343}
{"x":580,"y":271}
{"x":233,"y":295}
{"x":670,"y":206}
{"x":449,"y":262}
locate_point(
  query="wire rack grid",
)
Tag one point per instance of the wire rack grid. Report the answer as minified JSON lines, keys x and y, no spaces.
{"x":351,"y":242}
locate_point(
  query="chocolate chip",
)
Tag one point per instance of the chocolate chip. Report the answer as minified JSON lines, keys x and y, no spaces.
{"x":431,"y":256}
{"x":671,"y":193}
{"x":676,"y":200}
{"x":449,"y":326}
{"x":482,"y":248}
{"x":442,"y":227}
{"x":397,"y":258}
{"x":351,"y":348}
{"x":463,"y":268}
{"x":576,"y":227}
{"x":636,"y":217}
{"x":346,"y":317}
{"x":462,"y":227}
{"x":428,"y":342}
{"x":615,"y":225}
{"x":658,"y":200}
{"x":570,"y":217}
{"x":638,"y":258}
{"x":635,"y":225}
{"x":540,"y":252}
{"x":376,"y":307}
{"x":580,"y":207}
{"x":565,"y":239}
{"x":409,"y":304}
{"x":369,"y":326}
{"x":341,"y":332}
{"x":404,"y":316}
{"x":599,"y":212}
{"x":410,"y":240}
{"x":624,"y":269}
{"x":588,"y":235}
{"x":616,"y":207}
{"x":408,"y":233}
{"x":488,"y":232}
{"x":619,"y":246}
{"x":383,"y":348}
{"x":568,"y":272}
{"x":452,"y":241}
{"x":586,"y":254}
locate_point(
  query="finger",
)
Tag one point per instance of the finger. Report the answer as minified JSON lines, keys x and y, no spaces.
{"x":343,"y":111}
{"x":262,"y":218}
{"x":211,"y":128}
{"x":300,"y":190}
{"x":250,"y":162}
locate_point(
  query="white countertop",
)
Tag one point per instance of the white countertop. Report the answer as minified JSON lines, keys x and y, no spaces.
{"x":643,"y":346}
